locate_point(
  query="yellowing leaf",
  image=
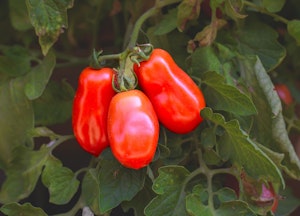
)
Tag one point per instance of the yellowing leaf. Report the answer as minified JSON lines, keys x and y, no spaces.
{"x":187,"y":10}
{"x":49,"y":18}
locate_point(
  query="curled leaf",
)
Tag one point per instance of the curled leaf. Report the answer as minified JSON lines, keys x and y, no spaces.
{"x":187,"y":10}
{"x":207,"y":36}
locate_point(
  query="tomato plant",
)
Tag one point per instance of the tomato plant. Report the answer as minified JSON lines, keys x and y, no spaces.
{"x":176,"y":98}
{"x":160,"y":107}
{"x":90,"y":109}
{"x":133,"y":129}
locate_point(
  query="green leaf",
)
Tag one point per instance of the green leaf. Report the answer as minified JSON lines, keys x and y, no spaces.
{"x":208,"y":138}
{"x":168,"y":185}
{"x":228,"y":205}
{"x":273,"y":5}
{"x":211,"y":157}
{"x":269,"y":126}
{"x":218,"y":58}
{"x":236,"y":146}
{"x":54,"y":106}
{"x":44,"y":132}
{"x":283,"y":144}
{"x":201,"y":191}
{"x":167,"y":24}
{"x":195,"y":207}
{"x":221,"y":96}
{"x":226,"y":195}
{"x":118,"y":184}
{"x":236,"y":207}
{"x":23,"y":173}
{"x":49,"y":18}
{"x":15,"y":61}
{"x":60,"y":181}
{"x":26,"y":209}
{"x":140,"y":201}
{"x":252,"y":41}
{"x":263,"y":95}
{"x":293,"y":28}
{"x":289,"y":204}
{"x":16,"y":119}
{"x":39,"y":76}
{"x":176,"y":151}
{"x":19,"y":15}
{"x":91,"y":190}
{"x":205,"y":59}
{"x":276,"y":157}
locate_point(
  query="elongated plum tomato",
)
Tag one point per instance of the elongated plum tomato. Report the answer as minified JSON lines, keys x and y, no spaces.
{"x":284,"y":93}
{"x":90,"y":108}
{"x":176,"y":98}
{"x":133,"y":129}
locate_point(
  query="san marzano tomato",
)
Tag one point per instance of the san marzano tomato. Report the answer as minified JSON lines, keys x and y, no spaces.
{"x":176,"y":98}
{"x":90,"y":108}
{"x":133,"y":129}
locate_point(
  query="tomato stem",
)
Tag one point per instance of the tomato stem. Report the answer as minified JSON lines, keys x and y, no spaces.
{"x":82,"y":170}
{"x":150,"y":173}
{"x":75,"y":208}
{"x":103,"y":58}
{"x":136,"y":30}
{"x":125,"y":77}
{"x":151,"y":12}
{"x":54,"y":143}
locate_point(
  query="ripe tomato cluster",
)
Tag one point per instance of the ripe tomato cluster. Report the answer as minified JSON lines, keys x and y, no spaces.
{"x":128,"y":122}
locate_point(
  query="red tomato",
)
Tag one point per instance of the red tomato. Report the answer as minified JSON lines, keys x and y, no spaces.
{"x":90,"y":108}
{"x":176,"y":98}
{"x":284,"y":93}
{"x":133,"y":129}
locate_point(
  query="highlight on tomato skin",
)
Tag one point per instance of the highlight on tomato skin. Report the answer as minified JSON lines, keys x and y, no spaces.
{"x":133,"y":129}
{"x":284,"y":93}
{"x":176,"y":98}
{"x":90,"y":109}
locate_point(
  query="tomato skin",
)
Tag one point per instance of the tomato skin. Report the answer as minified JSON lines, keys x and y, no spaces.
{"x":284,"y":93}
{"x":133,"y":129}
{"x":90,"y":109}
{"x":176,"y":98}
